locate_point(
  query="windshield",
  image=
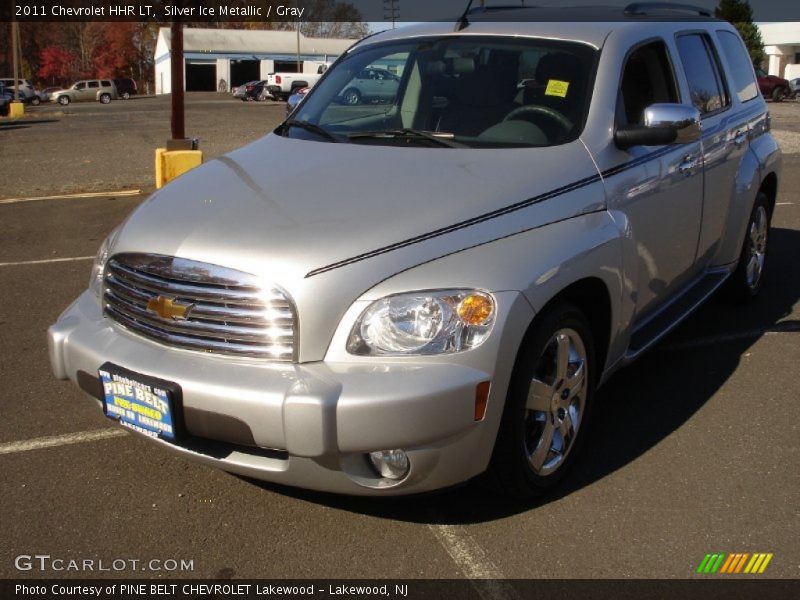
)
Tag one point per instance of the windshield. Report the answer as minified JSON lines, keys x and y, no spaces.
{"x":460,"y":91}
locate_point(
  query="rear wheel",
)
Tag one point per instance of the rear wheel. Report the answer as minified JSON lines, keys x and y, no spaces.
{"x":63,"y":100}
{"x":548,"y":404}
{"x":746,"y":281}
{"x":35,"y":100}
{"x":778,"y":94}
{"x":351,"y":96}
{"x":105,"y":98}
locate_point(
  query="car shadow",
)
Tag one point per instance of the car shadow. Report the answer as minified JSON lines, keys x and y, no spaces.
{"x":26,"y":124}
{"x":637,"y":408}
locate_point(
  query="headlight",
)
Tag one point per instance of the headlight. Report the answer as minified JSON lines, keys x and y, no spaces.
{"x":96,"y":279}
{"x":437,"y":322}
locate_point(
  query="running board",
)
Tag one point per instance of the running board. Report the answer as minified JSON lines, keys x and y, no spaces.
{"x":656,"y":326}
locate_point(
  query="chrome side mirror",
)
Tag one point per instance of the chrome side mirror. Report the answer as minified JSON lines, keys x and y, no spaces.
{"x":663,"y":124}
{"x":684,"y":120}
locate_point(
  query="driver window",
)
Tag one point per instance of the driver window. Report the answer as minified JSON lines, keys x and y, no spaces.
{"x":647,"y":79}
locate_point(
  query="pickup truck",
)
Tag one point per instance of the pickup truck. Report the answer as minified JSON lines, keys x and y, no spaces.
{"x":283,"y":85}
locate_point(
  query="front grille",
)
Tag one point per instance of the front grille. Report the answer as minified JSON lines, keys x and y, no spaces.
{"x":224,"y":311}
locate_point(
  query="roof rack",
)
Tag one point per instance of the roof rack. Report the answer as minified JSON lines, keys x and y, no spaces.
{"x":642,"y":8}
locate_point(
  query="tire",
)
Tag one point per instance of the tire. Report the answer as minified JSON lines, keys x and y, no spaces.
{"x":105,"y":98}
{"x":746,"y":281}
{"x":126,"y":95}
{"x":35,"y":101}
{"x":778,"y":94}
{"x":551,"y":391}
{"x":63,"y":100}
{"x":351,"y":96}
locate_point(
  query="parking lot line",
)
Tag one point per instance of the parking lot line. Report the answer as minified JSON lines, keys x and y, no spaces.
{"x":114,"y":194}
{"x":61,"y":440}
{"x":473,"y":562}
{"x":44,"y":261}
{"x":784,"y":203}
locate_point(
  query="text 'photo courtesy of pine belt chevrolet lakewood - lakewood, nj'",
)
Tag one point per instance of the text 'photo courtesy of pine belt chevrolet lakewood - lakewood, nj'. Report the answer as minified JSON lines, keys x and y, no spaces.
{"x":502,"y":214}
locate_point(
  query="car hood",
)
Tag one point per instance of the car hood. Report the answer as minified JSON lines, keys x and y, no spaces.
{"x":331,"y":219}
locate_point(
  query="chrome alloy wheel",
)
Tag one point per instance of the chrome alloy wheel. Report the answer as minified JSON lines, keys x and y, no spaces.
{"x":556,"y":401}
{"x":757,"y":247}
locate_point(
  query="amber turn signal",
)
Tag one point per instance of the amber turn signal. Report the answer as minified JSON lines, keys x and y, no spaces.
{"x":476,"y":309}
{"x":481,"y":398}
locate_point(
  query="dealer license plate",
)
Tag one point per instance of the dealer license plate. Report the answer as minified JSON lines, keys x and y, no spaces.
{"x":138,"y":402}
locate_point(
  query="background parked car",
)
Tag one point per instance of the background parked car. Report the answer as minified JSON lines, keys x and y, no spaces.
{"x":296,"y":98}
{"x":372,"y":84}
{"x":44,"y":95}
{"x":794,"y":84}
{"x":100,"y":90}
{"x":4,"y":102}
{"x":8,"y":93}
{"x":25,"y":87}
{"x":771,"y":86}
{"x":252,"y":90}
{"x":126,"y":88}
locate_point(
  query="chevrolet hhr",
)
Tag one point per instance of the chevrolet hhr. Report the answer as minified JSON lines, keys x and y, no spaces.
{"x":401,"y":290}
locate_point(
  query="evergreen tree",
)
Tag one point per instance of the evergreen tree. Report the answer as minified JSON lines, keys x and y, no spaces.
{"x":740,"y":14}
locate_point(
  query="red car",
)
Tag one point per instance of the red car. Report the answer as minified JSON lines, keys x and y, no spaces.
{"x":776,"y":88}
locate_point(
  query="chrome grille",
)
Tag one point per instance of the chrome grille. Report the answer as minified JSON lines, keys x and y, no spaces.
{"x":226,"y":311}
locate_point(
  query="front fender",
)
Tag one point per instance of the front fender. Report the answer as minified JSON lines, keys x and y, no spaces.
{"x":539,"y":263}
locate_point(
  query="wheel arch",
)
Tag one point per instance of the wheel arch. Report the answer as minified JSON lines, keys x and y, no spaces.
{"x":592,"y":297}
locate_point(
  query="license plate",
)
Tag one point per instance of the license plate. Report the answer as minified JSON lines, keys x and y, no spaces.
{"x":139,"y":402}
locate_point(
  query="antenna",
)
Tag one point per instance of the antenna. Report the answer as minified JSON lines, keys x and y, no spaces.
{"x":463,"y":21}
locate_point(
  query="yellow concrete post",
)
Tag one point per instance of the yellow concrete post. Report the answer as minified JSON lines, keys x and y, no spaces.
{"x":174,"y":163}
{"x":16,"y":110}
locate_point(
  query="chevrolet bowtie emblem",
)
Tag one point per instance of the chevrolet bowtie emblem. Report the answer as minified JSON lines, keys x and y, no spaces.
{"x":167,"y":308}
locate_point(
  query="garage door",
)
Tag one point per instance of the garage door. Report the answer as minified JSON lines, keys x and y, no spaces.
{"x":201,"y":76}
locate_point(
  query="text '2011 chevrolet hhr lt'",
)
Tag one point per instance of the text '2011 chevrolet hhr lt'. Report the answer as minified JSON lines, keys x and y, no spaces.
{"x":425,"y":273}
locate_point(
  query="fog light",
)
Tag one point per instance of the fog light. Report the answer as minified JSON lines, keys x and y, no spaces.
{"x":391,"y":464}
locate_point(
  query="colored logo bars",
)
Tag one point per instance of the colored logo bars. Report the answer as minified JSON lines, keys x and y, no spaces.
{"x":741,"y":562}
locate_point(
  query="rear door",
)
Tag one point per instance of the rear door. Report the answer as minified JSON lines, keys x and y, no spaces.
{"x":92,"y":88}
{"x":726,"y":131}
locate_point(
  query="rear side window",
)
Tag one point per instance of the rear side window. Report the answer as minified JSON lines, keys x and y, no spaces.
{"x":744,"y":84}
{"x":702,"y":71}
{"x":105,"y":83}
{"x":94,"y":84}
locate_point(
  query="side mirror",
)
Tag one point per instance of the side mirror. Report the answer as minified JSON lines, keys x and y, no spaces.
{"x":663,"y":124}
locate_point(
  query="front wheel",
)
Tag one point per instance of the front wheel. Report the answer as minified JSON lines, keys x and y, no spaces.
{"x":778,"y":94}
{"x":63,"y":100}
{"x":548,"y":404}
{"x":126,"y":95}
{"x":35,"y":100}
{"x":746,"y":281}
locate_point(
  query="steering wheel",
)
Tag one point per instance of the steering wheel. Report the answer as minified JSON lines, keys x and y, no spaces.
{"x":554,"y":115}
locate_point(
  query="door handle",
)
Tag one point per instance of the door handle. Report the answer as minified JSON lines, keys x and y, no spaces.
{"x":688,"y":164}
{"x":740,"y":137}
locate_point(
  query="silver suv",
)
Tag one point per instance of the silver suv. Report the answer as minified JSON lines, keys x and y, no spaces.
{"x":95,"y":90}
{"x":398,"y":295}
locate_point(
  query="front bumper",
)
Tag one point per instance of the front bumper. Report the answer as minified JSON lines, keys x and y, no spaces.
{"x":307,"y":425}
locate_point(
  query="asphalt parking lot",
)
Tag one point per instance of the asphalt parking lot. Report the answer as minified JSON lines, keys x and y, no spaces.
{"x":696,"y":447}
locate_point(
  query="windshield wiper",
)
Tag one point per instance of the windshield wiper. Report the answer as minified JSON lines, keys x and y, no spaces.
{"x":320,"y":131}
{"x":443,"y":139}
